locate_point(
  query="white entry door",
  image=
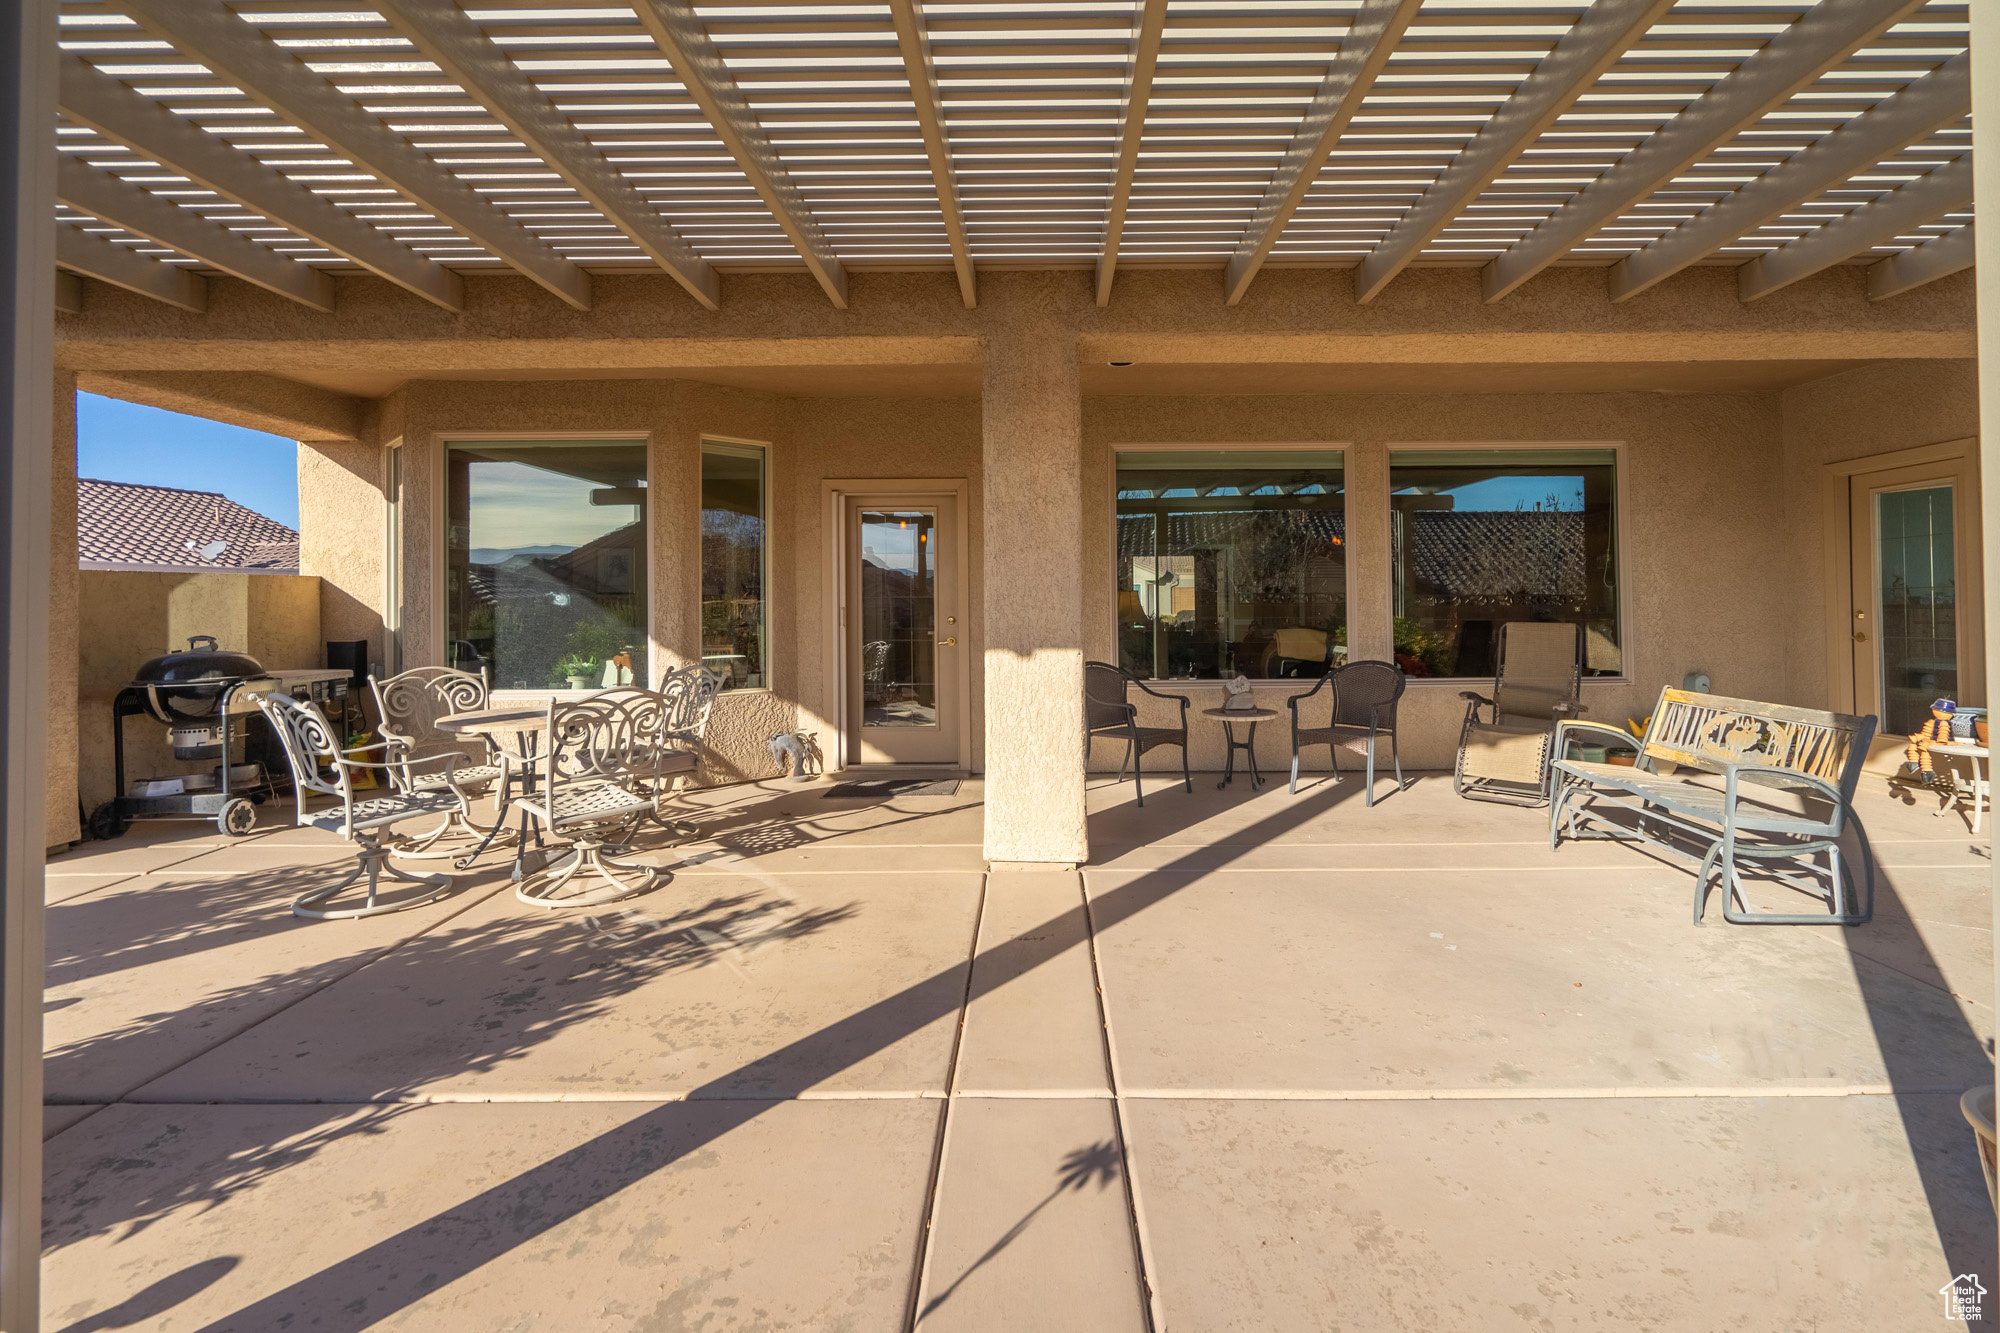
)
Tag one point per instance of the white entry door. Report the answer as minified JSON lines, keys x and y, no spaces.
{"x":904,"y":619}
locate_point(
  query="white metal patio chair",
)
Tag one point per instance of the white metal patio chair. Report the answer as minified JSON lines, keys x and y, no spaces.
{"x":308,"y":740}
{"x":409,"y":705}
{"x":600,"y":771}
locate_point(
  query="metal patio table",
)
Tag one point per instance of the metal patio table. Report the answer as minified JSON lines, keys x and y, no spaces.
{"x":517,"y":729}
{"x":1230,"y":717}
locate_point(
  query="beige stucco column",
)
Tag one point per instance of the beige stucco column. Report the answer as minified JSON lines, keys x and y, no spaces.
{"x":1032,"y":477}
{"x":1986,"y":184}
{"x":62,"y":734}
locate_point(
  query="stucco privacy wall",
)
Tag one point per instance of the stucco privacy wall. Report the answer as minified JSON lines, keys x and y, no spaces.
{"x":128,"y":617}
{"x":861,"y":439}
{"x":674,"y":416}
{"x":1700,"y":476}
{"x":62,"y":822}
{"x":1856,"y":414}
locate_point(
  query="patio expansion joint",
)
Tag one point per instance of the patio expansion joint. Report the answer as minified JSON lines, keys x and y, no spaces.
{"x":1142,"y":1247}
{"x":912,"y":1305}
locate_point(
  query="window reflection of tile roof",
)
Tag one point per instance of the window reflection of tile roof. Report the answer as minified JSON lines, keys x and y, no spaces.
{"x":1468,"y":555}
{"x":122,"y":525}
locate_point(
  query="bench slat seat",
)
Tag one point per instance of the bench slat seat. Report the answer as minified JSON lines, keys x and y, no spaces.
{"x":1747,"y":782}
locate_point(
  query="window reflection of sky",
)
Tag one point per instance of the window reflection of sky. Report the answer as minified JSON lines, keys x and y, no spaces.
{"x":515,"y":505}
{"x":1506,"y":494}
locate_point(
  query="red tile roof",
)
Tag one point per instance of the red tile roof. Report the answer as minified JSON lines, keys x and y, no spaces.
{"x":123,"y":524}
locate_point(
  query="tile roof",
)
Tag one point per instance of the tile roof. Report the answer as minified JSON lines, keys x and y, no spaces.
{"x":1461,"y":555}
{"x":123,"y":524}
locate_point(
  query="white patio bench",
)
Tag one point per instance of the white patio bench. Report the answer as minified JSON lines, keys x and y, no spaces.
{"x":1771,"y":785}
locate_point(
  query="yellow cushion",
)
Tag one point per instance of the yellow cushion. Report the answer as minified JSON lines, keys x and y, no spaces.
{"x":1305,"y":645}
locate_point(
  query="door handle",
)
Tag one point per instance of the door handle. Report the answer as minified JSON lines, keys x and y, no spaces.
{"x":948,"y":643}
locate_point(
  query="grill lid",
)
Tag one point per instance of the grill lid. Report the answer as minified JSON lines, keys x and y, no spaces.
{"x":198,"y":663}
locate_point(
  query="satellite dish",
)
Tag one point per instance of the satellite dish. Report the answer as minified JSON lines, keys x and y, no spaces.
{"x":210,"y":550}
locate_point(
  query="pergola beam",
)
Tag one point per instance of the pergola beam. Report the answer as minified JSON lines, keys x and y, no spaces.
{"x":1149,"y":25}
{"x":699,"y":65}
{"x":267,"y":74}
{"x":69,"y":293}
{"x":1939,"y":258}
{"x":1363,"y":54}
{"x":103,"y":195}
{"x":1823,"y":37}
{"x":459,"y":47}
{"x":95,"y":257}
{"x":107,"y":106}
{"x":1925,"y":199}
{"x":1601,"y":35}
{"x":921,"y":70}
{"x":1940,"y":98}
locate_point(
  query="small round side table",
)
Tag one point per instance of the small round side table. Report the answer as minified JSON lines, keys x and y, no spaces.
{"x":1230,"y":717}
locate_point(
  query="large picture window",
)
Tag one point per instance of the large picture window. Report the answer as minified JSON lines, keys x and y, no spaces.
{"x":1484,"y":536}
{"x":732,"y":563}
{"x":546,"y":561}
{"x":1231,"y":562}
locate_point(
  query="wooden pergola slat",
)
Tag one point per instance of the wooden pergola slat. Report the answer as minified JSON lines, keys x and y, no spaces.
{"x":1364,"y":52}
{"x":1923,"y":200}
{"x":141,"y":124}
{"x":1601,"y":35}
{"x":103,"y":195}
{"x":1827,"y":35}
{"x":920,"y":68}
{"x":460,"y":48}
{"x":1940,"y":98}
{"x":1940,"y":258}
{"x":700,"y":68}
{"x":269,"y":75}
{"x":1149,"y":25}
{"x":95,"y":257}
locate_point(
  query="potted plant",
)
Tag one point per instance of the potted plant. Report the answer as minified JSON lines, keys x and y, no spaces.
{"x":580,"y":670}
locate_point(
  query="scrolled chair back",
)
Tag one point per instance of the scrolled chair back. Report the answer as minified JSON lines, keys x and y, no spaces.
{"x":306,"y":735}
{"x":411,"y":702}
{"x":690,"y":694}
{"x":1365,"y":693}
{"x":1104,"y":702}
{"x":609,"y":736}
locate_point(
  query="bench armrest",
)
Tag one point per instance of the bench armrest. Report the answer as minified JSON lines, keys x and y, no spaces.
{"x":1771,"y":775}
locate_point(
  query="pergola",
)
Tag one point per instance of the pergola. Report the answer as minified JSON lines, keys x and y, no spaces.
{"x":420,"y":140}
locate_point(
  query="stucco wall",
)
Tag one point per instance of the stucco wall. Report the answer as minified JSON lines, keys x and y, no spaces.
{"x":861,"y":439}
{"x":1856,"y":414}
{"x":61,"y":821}
{"x":1701,"y":554}
{"x":675,"y":417}
{"x":127,"y":618}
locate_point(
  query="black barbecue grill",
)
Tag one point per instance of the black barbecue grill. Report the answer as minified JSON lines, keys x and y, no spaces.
{"x":206,"y":698}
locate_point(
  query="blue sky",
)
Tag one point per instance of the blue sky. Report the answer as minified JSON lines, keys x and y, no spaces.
{"x":117,"y":441}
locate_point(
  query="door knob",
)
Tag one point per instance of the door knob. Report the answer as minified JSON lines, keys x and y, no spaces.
{"x":948,"y":643}
{"x":1859,"y":637}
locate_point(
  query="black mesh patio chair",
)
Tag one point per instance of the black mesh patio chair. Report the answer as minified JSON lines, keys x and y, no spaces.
{"x":1363,"y":710}
{"x":1109,"y":711}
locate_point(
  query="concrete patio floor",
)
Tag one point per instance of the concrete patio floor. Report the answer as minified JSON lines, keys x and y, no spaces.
{"x":1268,"y":1063}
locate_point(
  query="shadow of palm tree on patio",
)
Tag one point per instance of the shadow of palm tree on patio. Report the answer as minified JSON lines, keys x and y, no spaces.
{"x":1101,"y":1163}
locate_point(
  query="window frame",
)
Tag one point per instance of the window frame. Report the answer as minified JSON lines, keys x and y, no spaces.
{"x":1621,"y":507}
{"x":762,"y":448}
{"x":440,"y":562}
{"x":1344,"y":448}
